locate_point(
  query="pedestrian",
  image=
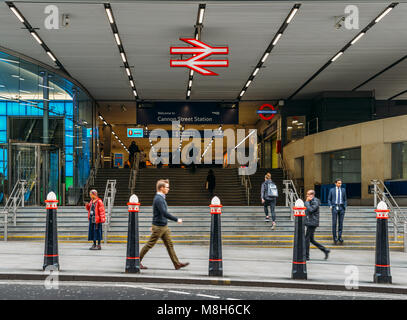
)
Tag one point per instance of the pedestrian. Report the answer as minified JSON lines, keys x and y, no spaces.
{"x":337,"y":201}
{"x":96,"y":216}
{"x":133,"y":148}
{"x":193,"y":156}
{"x":312,"y":222}
{"x":210,"y":183}
{"x":159,"y":228}
{"x":269,"y":194}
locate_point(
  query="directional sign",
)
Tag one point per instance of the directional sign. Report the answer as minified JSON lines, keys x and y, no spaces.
{"x":266,"y":114}
{"x":200,"y":51}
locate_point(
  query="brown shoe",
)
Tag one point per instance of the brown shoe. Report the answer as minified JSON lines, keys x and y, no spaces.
{"x":99,"y":247}
{"x":181,"y":265}
{"x":142,"y":267}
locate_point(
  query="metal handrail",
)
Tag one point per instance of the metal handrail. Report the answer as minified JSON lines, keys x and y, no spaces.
{"x":133,"y":172}
{"x":108,"y":201}
{"x":246,"y":182}
{"x":396,"y":215}
{"x":291,"y":195}
{"x":89,"y":182}
{"x":14,"y":201}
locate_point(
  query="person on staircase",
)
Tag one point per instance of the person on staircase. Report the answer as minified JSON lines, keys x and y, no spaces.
{"x":210,"y":183}
{"x":269,"y":194}
{"x":96,"y":216}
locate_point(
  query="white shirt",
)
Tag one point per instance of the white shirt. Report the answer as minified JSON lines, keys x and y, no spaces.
{"x":338,"y":196}
{"x":161,"y":194}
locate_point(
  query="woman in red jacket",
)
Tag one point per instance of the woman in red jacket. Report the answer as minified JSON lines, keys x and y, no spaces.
{"x":96,"y":216}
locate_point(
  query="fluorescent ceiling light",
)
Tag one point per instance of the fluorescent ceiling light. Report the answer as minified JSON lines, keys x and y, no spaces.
{"x":134,"y":92}
{"x":2,"y":86}
{"x":116,"y":35}
{"x":255,"y":71}
{"x":105,"y":122}
{"x":132,"y":83}
{"x":277,"y":38}
{"x":24,"y":91}
{"x":36,"y":37}
{"x":383,"y":14}
{"x":248,"y":83}
{"x":123,"y":56}
{"x":292,"y":15}
{"x":109,"y":14}
{"x":101,"y":118}
{"x":337,"y":56}
{"x":51,"y":56}
{"x":253,"y":131}
{"x":18,"y":15}
{"x":358,"y":37}
{"x":41,"y":85}
{"x":191,"y":73}
{"x":190,"y":83}
{"x":128,"y":72}
{"x":201,"y":15}
{"x":242,"y":93}
{"x":265,"y":57}
{"x":189,"y":93}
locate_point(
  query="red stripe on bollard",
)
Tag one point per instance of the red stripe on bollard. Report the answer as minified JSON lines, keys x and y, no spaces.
{"x":50,"y":255}
{"x":133,"y":257}
{"x":384,"y":266}
{"x":295,"y":262}
{"x":215,"y":259}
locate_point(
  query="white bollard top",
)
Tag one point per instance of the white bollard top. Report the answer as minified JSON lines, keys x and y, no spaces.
{"x":299,"y":203}
{"x":215,"y":201}
{"x":133,"y":199}
{"x":51,"y":196}
{"x":382,"y":206}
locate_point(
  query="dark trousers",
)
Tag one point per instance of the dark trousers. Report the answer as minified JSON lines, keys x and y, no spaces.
{"x":337,"y":219}
{"x":272,"y":205}
{"x":309,"y":238}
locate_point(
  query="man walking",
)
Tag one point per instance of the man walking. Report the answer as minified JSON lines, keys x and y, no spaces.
{"x":269,"y":194}
{"x":337,"y":201}
{"x":312,"y":222}
{"x":159,"y":228}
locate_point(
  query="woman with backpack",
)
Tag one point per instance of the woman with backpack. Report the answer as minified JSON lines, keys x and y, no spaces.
{"x":269,"y":194}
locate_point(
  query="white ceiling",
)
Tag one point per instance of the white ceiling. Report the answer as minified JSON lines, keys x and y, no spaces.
{"x":89,"y":53}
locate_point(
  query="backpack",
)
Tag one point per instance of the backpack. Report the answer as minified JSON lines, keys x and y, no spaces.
{"x":270,"y":190}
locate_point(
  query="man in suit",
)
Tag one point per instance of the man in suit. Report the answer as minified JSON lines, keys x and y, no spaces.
{"x":312,"y":222}
{"x":159,"y":228}
{"x":337,"y":201}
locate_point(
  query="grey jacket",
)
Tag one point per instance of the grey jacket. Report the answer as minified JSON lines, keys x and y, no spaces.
{"x":312,"y":212}
{"x":160,"y":212}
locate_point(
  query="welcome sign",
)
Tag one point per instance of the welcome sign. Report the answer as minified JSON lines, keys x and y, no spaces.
{"x":187,"y":113}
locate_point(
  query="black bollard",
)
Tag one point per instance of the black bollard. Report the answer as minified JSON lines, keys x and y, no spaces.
{"x":215,"y":249}
{"x":51,"y":233}
{"x":382,"y":267}
{"x":299,"y":270}
{"x":133,"y":250}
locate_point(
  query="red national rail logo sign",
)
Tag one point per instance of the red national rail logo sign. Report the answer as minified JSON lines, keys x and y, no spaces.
{"x":200,"y":51}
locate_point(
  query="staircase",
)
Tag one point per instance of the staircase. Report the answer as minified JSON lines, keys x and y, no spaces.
{"x":122,"y":184}
{"x":240,"y":226}
{"x":257,"y":179}
{"x":188,"y":189}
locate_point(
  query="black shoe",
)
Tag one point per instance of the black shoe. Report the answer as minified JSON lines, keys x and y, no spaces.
{"x":307,"y":258}
{"x":341,"y":241}
{"x":327,"y":251}
{"x":335,"y":242}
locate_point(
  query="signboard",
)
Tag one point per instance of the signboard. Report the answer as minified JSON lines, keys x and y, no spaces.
{"x":199,"y":52}
{"x":135,"y":132}
{"x":266,"y":112}
{"x":187,"y":113}
{"x":88,"y":132}
{"x":118,"y":160}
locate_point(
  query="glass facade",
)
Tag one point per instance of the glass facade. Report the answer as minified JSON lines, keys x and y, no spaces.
{"x":295,"y":128}
{"x":342,"y":164}
{"x":399,"y":160}
{"x":42,"y":108}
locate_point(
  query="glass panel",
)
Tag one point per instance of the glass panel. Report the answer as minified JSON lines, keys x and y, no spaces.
{"x":343,"y":164}
{"x":295,"y":128}
{"x":399,"y":160}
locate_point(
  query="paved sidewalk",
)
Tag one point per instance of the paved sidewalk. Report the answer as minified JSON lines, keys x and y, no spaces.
{"x":242,"y":266}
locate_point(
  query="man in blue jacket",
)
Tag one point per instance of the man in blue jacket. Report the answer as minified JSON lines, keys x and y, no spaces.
{"x":337,"y":201}
{"x":159,"y":228}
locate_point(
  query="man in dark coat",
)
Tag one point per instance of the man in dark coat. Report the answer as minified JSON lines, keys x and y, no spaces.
{"x":337,"y":201}
{"x":312,"y":222}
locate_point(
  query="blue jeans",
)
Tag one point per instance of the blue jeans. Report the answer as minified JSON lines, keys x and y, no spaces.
{"x":272,"y":205}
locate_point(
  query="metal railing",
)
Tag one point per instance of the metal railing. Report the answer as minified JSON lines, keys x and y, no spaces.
{"x":247,"y":184}
{"x":397,"y":216}
{"x":133,"y":172}
{"x":108,"y":202}
{"x":89,"y":182}
{"x":15,"y":200}
{"x":291,"y":195}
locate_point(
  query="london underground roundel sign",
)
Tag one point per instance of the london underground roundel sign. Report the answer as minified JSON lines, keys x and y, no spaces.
{"x":266,"y":111}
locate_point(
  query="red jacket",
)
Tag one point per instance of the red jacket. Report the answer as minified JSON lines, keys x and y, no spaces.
{"x":99,"y":211}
